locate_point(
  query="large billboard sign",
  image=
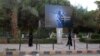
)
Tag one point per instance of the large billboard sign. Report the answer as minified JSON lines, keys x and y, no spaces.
{"x":58,"y":16}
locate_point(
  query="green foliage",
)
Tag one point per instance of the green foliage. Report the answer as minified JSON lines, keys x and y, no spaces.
{"x":79,"y":35}
{"x":95,"y":36}
{"x":2,"y":40}
{"x":42,"y":33}
{"x":82,"y":35}
{"x":84,"y":18}
{"x":45,"y":41}
{"x":29,"y":10}
{"x":94,"y":41}
{"x":53,"y":35}
{"x":82,"y":39}
{"x":89,"y":40}
{"x":40,"y":41}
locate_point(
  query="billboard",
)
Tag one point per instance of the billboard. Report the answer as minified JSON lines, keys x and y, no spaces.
{"x":58,"y":16}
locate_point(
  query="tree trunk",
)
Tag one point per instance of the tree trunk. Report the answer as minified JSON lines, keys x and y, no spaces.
{"x":14,"y":23}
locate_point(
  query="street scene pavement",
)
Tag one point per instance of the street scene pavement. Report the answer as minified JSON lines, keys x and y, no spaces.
{"x":47,"y":47}
{"x":25,"y":50}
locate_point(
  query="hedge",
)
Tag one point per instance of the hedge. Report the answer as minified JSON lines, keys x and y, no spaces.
{"x":2,"y":40}
{"x":41,"y":41}
{"x":89,"y":40}
{"x":95,"y":36}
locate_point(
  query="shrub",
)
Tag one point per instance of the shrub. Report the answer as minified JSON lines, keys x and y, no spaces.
{"x":94,"y":41}
{"x":80,"y":35}
{"x":45,"y":41}
{"x":95,"y":36}
{"x":89,"y":40}
{"x":2,"y":40}
{"x":82,"y":39}
{"x":41,"y":41}
{"x":41,"y":33}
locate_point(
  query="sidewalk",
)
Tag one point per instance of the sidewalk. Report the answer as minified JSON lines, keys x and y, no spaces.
{"x":80,"y":48}
{"x":47,"y":47}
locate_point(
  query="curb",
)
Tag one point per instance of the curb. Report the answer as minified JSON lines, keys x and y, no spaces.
{"x":52,"y":52}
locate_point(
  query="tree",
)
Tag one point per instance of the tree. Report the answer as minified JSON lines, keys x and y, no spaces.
{"x":84,"y":19}
{"x":12,"y":11}
{"x":23,"y":13}
{"x":28,"y":15}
